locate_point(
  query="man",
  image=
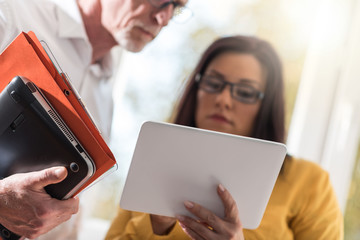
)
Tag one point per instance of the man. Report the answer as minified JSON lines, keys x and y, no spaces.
{"x":81,"y":35}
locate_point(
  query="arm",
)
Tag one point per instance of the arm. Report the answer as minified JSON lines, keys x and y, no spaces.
{"x":211,"y":226}
{"x":8,"y":30}
{"x":117,"y":227}
{"x":320,"y":217}
{"x":26,"y":209}
{"x":138,"y":226}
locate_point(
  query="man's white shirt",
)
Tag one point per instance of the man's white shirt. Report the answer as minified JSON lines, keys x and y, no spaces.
{"x":60,"y":25}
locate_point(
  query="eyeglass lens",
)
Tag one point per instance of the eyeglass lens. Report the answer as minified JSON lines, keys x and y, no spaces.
{"x":240,"y":92}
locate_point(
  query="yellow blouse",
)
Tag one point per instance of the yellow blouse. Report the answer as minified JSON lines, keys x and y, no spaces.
{"x":302,"y":206}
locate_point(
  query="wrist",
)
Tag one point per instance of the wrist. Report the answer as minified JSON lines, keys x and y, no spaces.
{"x":2,"y":198}
{"x":6,"y":197}
{"x":162,"y":225}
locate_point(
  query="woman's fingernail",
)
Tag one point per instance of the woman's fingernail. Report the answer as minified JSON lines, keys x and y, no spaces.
{"x":189,"y":204}
{"x":180,"y":218}
{"x":221,"y":187}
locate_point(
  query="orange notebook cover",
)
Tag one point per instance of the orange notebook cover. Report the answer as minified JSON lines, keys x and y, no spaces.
{"x":26,"y":57}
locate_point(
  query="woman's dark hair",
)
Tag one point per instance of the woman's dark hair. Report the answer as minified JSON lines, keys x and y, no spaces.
{"x":269,"y":123}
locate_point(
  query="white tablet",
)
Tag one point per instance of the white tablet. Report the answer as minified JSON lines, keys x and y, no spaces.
{"x":173,"y":163}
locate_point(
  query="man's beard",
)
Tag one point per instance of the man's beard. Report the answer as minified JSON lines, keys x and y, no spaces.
{"x":126,"y":41}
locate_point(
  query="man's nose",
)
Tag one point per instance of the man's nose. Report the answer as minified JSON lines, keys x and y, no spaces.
{"x":163,"y":15}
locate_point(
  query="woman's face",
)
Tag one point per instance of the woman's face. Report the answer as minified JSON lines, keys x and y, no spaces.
{"x":220,"y":111}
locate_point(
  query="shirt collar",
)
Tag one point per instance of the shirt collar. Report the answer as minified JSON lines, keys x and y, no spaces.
{"x":71,"y":25}
{"x":70,"y":21}
{"x":103,"y":68}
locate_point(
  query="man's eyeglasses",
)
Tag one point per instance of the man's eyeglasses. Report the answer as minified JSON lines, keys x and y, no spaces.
{"x":181,"y":13}
{"x":239,"y":91}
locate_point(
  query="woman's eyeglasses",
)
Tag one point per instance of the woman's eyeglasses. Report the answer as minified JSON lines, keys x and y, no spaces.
{"x":239,"y":91}
{"x":181,"y":13}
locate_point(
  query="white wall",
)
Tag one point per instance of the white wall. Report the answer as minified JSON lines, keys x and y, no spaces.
{"x":326,"y":120}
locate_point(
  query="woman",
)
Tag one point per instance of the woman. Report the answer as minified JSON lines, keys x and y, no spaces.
{"x":237,"y":88}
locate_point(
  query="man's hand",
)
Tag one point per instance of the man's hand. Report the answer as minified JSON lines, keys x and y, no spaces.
{"x":27,"y":210}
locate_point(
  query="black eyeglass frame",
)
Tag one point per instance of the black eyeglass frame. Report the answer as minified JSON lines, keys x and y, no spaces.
{"x":165,"y":4}
{"x":258,"y":94}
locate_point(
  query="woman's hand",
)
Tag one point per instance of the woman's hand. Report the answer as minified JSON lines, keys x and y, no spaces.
{"x":162,"y":225}
{"x":210,"y":226}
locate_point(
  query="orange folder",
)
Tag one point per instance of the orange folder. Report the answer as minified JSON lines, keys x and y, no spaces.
{"x":26,"y":57}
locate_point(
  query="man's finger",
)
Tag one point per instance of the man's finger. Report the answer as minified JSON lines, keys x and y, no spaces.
{"x":47,"y":176}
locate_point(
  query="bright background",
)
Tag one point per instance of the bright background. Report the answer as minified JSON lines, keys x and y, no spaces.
{"x":317,"y":42}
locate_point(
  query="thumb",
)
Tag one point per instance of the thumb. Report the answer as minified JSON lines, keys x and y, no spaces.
{"x":48,"y":176}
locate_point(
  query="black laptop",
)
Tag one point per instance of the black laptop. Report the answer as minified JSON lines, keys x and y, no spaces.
{"x":34,"y":137}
